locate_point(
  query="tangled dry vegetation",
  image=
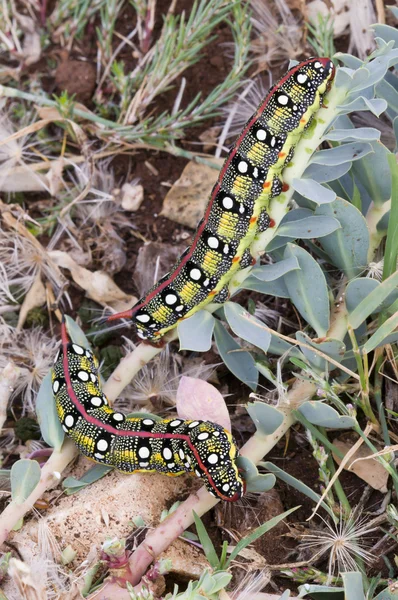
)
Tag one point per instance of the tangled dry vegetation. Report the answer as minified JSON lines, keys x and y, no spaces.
{"x":114,"y":118}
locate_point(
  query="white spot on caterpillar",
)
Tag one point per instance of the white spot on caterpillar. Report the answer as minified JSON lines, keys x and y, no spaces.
{"x":282,"y":100}
{"x":216,"y":433}
{"x":69,"y":420}
{"x":226,"y":249}
{"x":242,"y":167}
{"x":301,"y":78}
{"x":181,"y":453}
{"x":55,"y":386}
{"x":93,"y":377}
{"x":99,"y":455}
{"x":144,"y":464}
{"x":179,"y":308}
{"x":187,"y":465}
{"x":227,"y":203}
{"x":255,"y":172}
{"x":96,"y":401}
{"x":225,"y":487}
{"x":175,"y":423}
{"x":206,"y":282}
{"x":118,"y":416}
{"x":195,"y":274}
{"x":198,"y":473}
{"x":83,"y":376}
{"x":317,"y":65}
{"x":294,"y":107}
{"x":144,"y":452}
{"x":212,"y":459}
{"x":261,"y":135}
{"x":78,"y":349}
{"x":143,"y":318}
{"x":88,"y":354}
{"x":102,"y":445}
{"x":273,"y":142}
{"x":203,"y":436}
{"x":65,"y":428}
{"x":213,"y":242}
{"x":241,"y":209}
{"x":171,"y":299}
{"x":193,"y":424}
{"x":171,"y":465}
{"x":167,"y":453}
{"x":141,"y":334}
{"x":148,"y":422}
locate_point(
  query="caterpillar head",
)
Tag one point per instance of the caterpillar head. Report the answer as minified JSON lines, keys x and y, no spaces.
{"x":216,"y":453}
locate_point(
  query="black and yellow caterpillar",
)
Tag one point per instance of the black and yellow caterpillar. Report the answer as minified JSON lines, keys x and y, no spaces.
{"x":236,"y":212}
{"x":237,"y":209}
{"x":171,"y":446}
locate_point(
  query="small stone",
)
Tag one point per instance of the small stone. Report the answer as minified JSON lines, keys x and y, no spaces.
{"x":132,"y":196}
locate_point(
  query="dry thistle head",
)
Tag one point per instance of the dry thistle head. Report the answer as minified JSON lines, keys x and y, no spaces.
{"x":343,"y":543}
{"x":33,"y":351}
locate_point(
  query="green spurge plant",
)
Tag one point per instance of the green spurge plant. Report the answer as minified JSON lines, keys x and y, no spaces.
{"x":344,"y":215}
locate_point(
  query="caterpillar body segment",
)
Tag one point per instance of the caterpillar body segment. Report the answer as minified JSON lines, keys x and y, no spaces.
{"x":237,"y":209}
{"x":170,"y":446}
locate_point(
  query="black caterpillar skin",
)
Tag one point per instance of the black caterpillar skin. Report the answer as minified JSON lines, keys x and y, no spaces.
{"x":171,"y":446}
{"x":237,"y":208}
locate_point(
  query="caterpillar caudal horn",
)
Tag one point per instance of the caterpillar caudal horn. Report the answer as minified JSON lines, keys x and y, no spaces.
{"x":170,"y":446}
{"x":237,"y":209}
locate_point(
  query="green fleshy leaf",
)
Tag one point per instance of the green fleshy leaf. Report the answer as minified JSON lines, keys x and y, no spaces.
{"x":246,"y":326}
{"x":376,"y":106}
{"x":369,"y":304}
{"x":72,"y":485}
{"x":238,"y":361}
{"x":275,"y":270}
{"x":311,"y":227}
{"x":333,"y":348}
{"x":321,"y":592}
{"x":266,"y":418}
{"x":382,"y":333}
{"x":275,"y":288}
{"x":323,"y":173}
{"x":255,"y":482}
{"x":47,"y":415}
{"x":353,"y":585}
{"x":387,"y":594}
{"x":374,"y":173}
{"x":348,"y":246}
{"x":25,"y":475}
{"x":76,"y":334}
{"x":308,"y":290}
{"x":207,"y":544}
{"x":196,"y":332}
{"x":314,"y":191}
{"x":321,"y":414}
{"x":363,"y":134}
{"x":342,"y":154}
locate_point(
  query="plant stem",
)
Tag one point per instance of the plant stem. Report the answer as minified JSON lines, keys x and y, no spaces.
{"x":364,"y":379}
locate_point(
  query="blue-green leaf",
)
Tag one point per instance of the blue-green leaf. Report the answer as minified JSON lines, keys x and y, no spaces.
{"x":353,"y":585}
{"x":255,"y":482}
{"x":266,"y":418}
{"x":342,"y":154}
{"x":310,"y":227}
{"x":333,"y":348}
{"x":47,"y":415}
{"x":275,"y":288}
{"x":374,"y":173}
{"x":376,"y":106}
{"x":348,"y":246}
{"x":239,"y":362}
{"x":324,"y":173}
{"x":308,"y":290}
{"x":25,"y":475}
{"x":363,"y":134}
{"x":275,"y":270}
{"x":72,"y":485}
{"x":369,"y":304}
{"x":321,"y":414}
{"x":195,"y":333}
{"x":313,"y":191}
{"x":246,"y":326}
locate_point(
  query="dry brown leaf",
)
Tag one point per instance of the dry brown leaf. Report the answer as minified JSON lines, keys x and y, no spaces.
{"x":97,"y":284}
{"x":34,"y":298}
{"x":186,"y":201}
{"x":31,"y":47}
{"x":369,"y":470}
